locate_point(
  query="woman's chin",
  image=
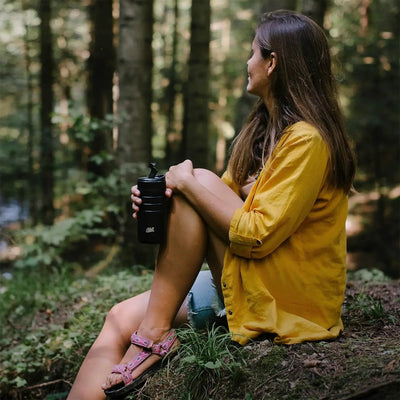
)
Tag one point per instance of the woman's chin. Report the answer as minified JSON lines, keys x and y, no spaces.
{"x":251,"y":91}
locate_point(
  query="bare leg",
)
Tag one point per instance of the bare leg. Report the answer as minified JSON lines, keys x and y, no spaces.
{"x":216,"y":246}
{"x":179,"y":261}
{"x":111,"y":345}
{"x":178,"y":264}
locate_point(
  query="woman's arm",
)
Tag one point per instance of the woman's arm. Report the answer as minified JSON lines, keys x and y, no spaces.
{"x":288,"y":189}
{"x":211,"y":197}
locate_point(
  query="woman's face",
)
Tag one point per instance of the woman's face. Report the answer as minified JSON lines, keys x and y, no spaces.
{"x":257,"y":70}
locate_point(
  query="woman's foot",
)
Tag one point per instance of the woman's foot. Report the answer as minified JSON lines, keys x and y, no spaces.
{"x":140,"y":358}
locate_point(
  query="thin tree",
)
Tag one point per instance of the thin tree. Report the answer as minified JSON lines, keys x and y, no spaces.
{"x":101,"y":68}
{"x":196,"y":120}
{"x":173,"y":142}
{"x":315,"y":9}
{"x":135,"y":62}
{"x":271,"y":5}
{"x":246,"y":102}
{"x":46,"y":109}
{"x":30,"y":129}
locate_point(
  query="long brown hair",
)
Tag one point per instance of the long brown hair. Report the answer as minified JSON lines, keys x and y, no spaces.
{"x":303,"y":88}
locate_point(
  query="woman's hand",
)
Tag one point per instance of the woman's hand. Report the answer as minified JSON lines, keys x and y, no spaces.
{"x":178,"y":175}
{"x":137,"y":201}
{"x":175,"y":178}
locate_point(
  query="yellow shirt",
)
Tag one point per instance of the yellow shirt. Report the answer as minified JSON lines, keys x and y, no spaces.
{"x":284,"y":272}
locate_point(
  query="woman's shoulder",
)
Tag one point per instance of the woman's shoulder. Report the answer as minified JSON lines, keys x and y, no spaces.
{"x":301,"y":133}
{"x":304,"y":137}
{"x":302,"y":129}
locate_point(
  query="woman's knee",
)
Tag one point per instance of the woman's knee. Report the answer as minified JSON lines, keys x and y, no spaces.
{"x":115,"y":315}
{"x":128,"y":312}
{"x":115,"y":310}
{"x":216,"y":185}
{"x":205,"y":176}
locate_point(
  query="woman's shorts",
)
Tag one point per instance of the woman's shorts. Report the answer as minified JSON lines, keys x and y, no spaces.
{"x":203,"y":303}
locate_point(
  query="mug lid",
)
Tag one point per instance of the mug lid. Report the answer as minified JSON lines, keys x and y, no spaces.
{"x":146,"y":179}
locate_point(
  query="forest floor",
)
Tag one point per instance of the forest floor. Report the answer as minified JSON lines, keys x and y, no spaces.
{"x":363,"y":363}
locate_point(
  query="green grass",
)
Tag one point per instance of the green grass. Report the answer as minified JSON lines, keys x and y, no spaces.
{"x":206,"y":363}
{"x":52,"y":319}
{"x":371,"y":309}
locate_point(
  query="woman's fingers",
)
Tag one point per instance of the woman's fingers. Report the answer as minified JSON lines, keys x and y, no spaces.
{"x":136,"y":200}
{"x":135,"y":191}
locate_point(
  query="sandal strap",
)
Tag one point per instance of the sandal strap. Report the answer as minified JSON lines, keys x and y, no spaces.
{"x":141,"y":341}
{"x":163,"y":348}
{"x":126,"y":369}
{"x":121,"y":369}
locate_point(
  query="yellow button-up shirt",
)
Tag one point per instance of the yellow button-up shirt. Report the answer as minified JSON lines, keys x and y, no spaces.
{"x":284,"y":271}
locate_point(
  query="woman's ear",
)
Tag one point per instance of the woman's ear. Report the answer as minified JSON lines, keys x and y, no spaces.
{"x":272,"y":61}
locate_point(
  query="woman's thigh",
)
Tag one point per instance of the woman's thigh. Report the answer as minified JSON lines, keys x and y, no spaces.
{"x":216,"y":247}
{"x":125,"y":317}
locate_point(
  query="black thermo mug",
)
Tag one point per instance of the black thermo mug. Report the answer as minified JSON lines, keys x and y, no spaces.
{"x":152,"y":212}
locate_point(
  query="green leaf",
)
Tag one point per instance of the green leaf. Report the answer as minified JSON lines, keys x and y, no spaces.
{"x":20,"y":382}
{"x":188,"y":360}
{"x":213,"y":365}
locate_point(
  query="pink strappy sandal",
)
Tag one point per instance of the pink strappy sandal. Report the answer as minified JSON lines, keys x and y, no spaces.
{"x":128,"y":384}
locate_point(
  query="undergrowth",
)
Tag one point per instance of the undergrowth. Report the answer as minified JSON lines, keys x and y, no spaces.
{"x":370,"y":310}
{"x":206,"y":364}
{"x":205,"y":358}
{"x":52,"y":319}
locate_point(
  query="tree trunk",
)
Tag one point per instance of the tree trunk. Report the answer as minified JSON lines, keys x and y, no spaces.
{"x":33,"y":212}
{"x":46,"y":142}
{"x":135,"y":63}
{"x":247,"y":101}
{"x":271,"y":5}
{"x":196,"y":121}
{"x":101,"y":67}
{"x":135,"y":69}
{"x":315,"y":9}
{"x":174,"y":140}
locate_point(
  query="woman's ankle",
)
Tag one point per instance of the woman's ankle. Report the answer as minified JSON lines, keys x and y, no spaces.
{"x":155,"y":334}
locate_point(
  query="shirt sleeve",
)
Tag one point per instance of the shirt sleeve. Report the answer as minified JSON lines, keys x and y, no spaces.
{"x":283,"y":196}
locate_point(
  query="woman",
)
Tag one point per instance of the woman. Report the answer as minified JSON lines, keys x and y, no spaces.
{"x":272,"y":229}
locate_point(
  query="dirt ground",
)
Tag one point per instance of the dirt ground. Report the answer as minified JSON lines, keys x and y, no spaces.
{"x":363,"y":363}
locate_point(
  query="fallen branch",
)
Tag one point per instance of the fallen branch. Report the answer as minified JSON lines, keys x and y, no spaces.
{"x":44,"y":384}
